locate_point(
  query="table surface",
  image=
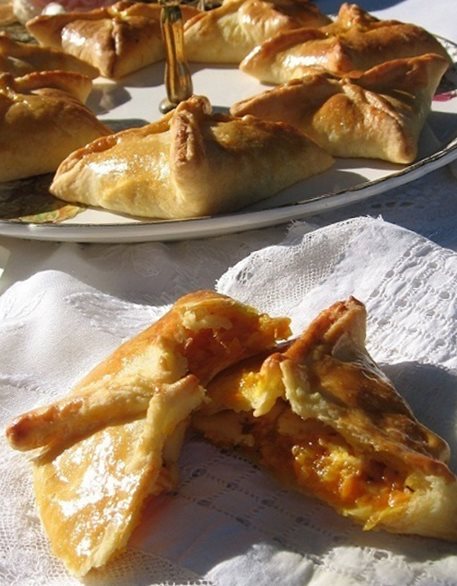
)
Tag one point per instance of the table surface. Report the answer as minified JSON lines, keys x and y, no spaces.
{"x":427,"y":206}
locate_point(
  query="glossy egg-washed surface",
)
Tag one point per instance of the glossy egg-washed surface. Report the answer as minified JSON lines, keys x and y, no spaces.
{"x":102,"y":455}
{"x":323,"y":418}
{"x":86,"y":496}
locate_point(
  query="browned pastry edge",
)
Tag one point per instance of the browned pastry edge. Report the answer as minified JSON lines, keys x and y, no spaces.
{"x":322,"y":417}
{"x":378,"y":113}
{"x":21,"y":58}
{"x":355,"y":41}
{"x":227,"y":33}
{"x":43,"y":121}
{"x":117,"y":39}
{"x":229,"y":329}
{"x":198,"y":149}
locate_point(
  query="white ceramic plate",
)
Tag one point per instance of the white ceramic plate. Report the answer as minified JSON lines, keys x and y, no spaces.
{"x":136,"y":101}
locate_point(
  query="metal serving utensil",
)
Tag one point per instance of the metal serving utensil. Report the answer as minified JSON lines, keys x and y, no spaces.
{"x":178,"y":81}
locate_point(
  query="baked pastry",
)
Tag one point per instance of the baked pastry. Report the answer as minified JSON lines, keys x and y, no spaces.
{"x":91,"y":493}
{"x":21,"y":58}
{"x":228,"y":33}
{"x":25,"y":10}
{"x":115,"y":439}
{"x":7,"y":15}
{"x":203,"y":333}
{"x":190,"y":163}
{"x":356,"y":40}
{"x":378,"y":114}
{"x":42,"y":120}
{"x":322,"y":417}
{"x":117,"y":39}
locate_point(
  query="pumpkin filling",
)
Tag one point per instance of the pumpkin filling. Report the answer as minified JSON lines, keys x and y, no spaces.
{"x":210,"y":340}
{"x":314,"y":457}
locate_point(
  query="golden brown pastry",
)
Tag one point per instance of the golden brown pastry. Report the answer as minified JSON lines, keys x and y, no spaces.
{"x":190,"y":163}
{"x":20,"y":58}
{"x":42,"y":120}
{"x":228,"y":33}
{"x":91,"y":493}
{"x":7,"y":15}
{"x":378,"y":114}
{"x":203,"y":333}
{"x":115,"y":439}
{"x":322,"y":417}
{"x":354,"y":41}
{"x":117,"y":39}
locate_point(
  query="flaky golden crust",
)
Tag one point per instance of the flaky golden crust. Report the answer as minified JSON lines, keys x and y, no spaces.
{"x":7,"y":15}
{"x":378,"y":113}
{"x":184,"y":165}
{"x":117,"y":39}
{"x":47,"y":28}
{"x":90,"y":494}
{"x":355,"y":41}
{"x":203,"y":333}
{"x":228,"y":33}
{"x":321,"y":415}
{"x":21,"y":58}
{"x":333,"y":348}
{"x":76,"y":85}
{"x":43,"y":120}
{"x":115,"y":439}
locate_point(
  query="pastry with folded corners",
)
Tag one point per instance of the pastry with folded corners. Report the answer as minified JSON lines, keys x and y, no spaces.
{"x":228,"y":33}
{"x":324,"y":419}
{"x":356,"y":40}
{"x":115,"y":439}
{"x":190,"y":163}
{"x":378,"y":114}
{"x":21,"y":58}
{"x":7,"y":15}
{"x":25,"y":10}
{"x":117,"y":39}
{"x":42,"y":120}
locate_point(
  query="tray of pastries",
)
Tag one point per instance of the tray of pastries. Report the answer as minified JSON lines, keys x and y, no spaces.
{"x":287,"y":112}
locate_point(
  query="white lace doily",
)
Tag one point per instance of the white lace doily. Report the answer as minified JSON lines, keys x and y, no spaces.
{"x":229,"y":523}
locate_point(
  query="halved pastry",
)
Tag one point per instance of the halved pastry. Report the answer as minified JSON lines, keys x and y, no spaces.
{"x":190,"y":163}
{"x":115,"y":439}
{"x":228,"y":33}
{"x":117,"y":39}
{"x":377,"y":114}
{"x":21,"y":58}
{"x":42,"y":120}
{"x":355,"y":41}
{"x":323,"y":418}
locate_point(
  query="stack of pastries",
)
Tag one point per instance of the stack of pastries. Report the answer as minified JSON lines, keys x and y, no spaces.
{"x":354,"y":86}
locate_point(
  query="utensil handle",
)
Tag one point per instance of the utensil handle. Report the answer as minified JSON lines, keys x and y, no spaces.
{"x":178,"y":81}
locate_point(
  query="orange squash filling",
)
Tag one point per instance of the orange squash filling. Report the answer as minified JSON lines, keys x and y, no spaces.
{"x":315,"y":457}
{"x":229,"y":338}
